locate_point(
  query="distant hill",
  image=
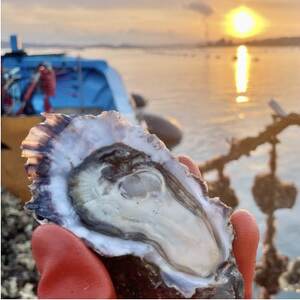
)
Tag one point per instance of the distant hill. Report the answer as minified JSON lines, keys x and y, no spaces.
{"x":5,"y":44}
{"x":281,"y":41}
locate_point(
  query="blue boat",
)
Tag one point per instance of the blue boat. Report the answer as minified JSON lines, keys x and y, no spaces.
{"x":61,"y":83}
{"x":32,"y":84}
{"x":82,"y":85}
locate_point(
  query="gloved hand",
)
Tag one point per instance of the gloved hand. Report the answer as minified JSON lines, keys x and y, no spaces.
{"x":71,"y":270}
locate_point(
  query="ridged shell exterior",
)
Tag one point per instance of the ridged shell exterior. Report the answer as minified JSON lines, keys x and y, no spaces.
{"x":59,"y":144}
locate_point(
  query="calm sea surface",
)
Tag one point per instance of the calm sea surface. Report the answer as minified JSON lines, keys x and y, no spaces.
{"x":220,"y":94}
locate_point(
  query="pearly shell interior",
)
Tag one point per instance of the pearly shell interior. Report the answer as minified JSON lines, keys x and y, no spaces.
{"x":120,"y":192}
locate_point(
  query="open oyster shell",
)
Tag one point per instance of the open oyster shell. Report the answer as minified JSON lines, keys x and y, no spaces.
{"x":119,"y":188}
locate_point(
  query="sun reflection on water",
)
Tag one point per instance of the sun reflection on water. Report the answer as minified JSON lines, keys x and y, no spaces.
{"x":242,"y":67}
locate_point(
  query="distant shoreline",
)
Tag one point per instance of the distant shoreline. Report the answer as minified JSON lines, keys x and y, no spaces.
{"x":274,"y":42}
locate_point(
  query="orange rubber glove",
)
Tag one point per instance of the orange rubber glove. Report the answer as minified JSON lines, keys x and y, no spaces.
{"x":71,"y":270}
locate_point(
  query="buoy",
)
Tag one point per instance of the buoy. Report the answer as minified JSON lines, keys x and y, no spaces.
{"x":270,"y":193}
{"x":167,"y":129}
{"x":139,"y":100}
{"x":221,"y":188}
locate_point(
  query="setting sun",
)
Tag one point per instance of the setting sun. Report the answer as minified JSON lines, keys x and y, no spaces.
{"x":243,"y":22}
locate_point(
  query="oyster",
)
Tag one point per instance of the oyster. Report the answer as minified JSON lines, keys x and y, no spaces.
{"x":118,"y":188}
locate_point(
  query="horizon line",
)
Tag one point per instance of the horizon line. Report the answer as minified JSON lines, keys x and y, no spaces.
{"x":275,"y":41}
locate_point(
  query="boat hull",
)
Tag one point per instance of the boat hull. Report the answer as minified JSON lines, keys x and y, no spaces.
{"x":13,"y":131}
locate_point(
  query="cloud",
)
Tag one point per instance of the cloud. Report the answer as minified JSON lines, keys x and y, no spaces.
{"x":96,"y":4}
{"x":76,"y":25}
{"x":202,"y":8}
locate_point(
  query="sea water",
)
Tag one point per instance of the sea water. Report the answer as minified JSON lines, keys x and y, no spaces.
{"x":220,"y":94}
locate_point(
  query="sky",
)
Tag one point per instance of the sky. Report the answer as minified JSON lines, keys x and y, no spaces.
{"x":139,"y":21}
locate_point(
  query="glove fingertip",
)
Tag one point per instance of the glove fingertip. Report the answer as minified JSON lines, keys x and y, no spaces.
{"x":245,"y":246}
{"x":68,"y":268}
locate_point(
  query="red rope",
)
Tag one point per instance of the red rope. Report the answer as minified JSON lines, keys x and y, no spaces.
{"x":48,"y":85}
{"x":48,"y":80}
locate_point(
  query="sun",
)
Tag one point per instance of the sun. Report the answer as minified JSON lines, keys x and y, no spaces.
{"x":243,"y":22}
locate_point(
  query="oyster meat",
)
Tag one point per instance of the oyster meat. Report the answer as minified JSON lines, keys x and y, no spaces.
{"x":120,"y":189}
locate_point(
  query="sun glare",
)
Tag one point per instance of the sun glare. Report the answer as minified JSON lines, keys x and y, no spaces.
{"x":242,"y":68}
{"x":243,"y":22}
